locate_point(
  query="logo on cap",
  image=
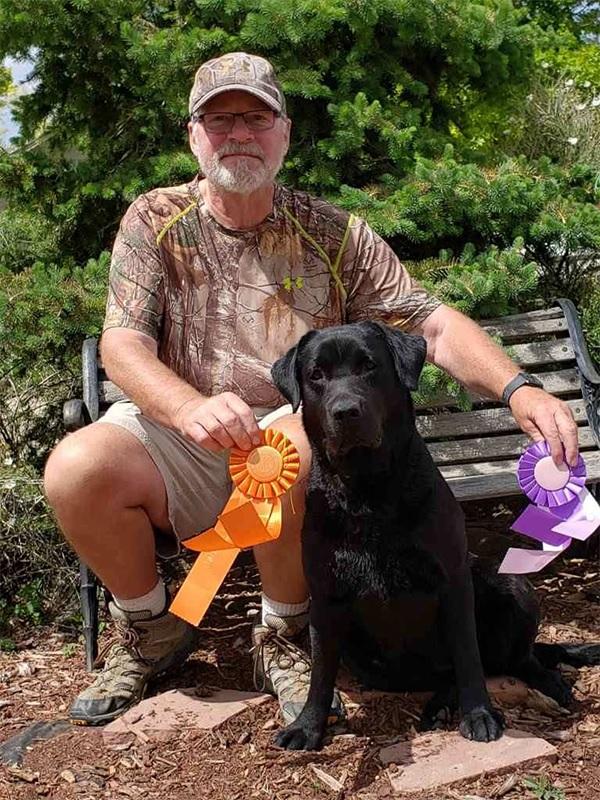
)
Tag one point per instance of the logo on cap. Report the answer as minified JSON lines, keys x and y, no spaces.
{"x":242,"y":71}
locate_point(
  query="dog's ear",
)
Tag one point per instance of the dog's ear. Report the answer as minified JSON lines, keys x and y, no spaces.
{"x":408,"y":351}
{"x":285,"y":377}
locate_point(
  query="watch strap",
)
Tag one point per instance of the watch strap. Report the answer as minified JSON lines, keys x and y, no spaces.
{"x":521,"y":379}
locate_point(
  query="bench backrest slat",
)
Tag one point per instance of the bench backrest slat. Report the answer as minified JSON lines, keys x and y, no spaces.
{"x":539,"y":353}
{"x":473,"y":423}
{"x":553,"y":312}
{"x":560,"y":383}
{"x":526,"y":329}
{"x":493,"y":448}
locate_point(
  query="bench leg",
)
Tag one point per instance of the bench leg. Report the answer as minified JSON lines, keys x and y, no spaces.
{"x":88,"y":594}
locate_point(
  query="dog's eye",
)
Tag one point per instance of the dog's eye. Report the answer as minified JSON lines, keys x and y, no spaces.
{"x":316,"y":374}
{"x":369,"y":364}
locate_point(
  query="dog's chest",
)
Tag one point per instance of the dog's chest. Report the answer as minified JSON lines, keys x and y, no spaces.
{"x":371,"y":558}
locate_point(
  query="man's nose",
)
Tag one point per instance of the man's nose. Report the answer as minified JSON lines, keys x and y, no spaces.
{"x":346,"y":409}
{"x":240,"y":131}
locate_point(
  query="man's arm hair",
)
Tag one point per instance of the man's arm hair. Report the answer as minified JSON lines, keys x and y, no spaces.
{"x":462,"y":348}
{"x":131,"y":361}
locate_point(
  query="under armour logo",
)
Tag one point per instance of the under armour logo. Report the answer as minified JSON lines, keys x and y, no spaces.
{"x":290,"y":283}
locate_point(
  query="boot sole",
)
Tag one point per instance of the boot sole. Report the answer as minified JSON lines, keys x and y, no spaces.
{"x":167,"y":663}
{"x":101,"y":719}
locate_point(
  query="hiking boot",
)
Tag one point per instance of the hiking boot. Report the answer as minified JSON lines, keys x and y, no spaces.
{"x":282,"y":666}
{"x":142,"y":648}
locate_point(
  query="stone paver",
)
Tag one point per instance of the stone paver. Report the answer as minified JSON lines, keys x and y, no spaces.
{"x":439,"y":759}
{"x":171,"y":712}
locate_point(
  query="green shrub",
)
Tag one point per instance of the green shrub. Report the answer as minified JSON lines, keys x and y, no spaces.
{"x":44,"y":313}
{"x":38,"y":568}
{"x":561,"y":120}
{"x":591,"y":320}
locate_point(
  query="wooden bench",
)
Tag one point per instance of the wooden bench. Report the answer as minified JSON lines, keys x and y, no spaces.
{"x":477,"y":451}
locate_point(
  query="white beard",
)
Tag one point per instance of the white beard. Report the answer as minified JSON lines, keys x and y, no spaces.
{"x":245,"y":175}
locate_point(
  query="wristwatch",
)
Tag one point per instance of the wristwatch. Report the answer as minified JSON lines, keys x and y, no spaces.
{"x":522,"y":379}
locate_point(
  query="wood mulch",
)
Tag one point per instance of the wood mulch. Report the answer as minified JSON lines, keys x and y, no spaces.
{"x":238,"y":760}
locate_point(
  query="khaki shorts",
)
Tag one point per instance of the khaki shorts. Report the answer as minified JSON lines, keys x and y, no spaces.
{"x":197,"y":480}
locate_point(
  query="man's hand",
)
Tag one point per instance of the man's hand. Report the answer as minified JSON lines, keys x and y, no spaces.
{"x":542,"y":416}
{"x":218,"y":422}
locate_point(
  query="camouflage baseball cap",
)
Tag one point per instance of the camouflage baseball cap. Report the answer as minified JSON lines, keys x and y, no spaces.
{"x":241,"y":71}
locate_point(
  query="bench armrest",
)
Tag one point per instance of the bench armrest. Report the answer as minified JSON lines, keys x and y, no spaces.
{"x":582,"y":354}
{"x":89,"y":370}
{"x":590,"y":378}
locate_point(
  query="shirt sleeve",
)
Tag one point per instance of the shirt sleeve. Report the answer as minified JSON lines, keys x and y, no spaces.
{"x":379,"y":287}
{"x":136,"y":287}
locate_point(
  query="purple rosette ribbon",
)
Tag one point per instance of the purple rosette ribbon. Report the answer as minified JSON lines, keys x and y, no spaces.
{"x":562,"y":509}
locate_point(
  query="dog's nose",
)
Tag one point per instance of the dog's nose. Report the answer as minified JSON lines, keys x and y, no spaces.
{"x":345,"y":410}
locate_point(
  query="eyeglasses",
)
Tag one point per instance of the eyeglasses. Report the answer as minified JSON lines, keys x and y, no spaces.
{"x":223,"y":122}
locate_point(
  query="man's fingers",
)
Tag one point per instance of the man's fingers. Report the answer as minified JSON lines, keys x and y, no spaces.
{"x":534,"y":433}
{"x":234,"y":427}
{"x":221,"y":422}
{"x":552,"y":436}
{"x":247,"y":421}
{"x":215,"y":430}
{"x":202,"y":438}
{"x":567,"y":429}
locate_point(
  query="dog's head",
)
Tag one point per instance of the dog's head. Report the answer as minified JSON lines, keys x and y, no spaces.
{"x":351,"y":381}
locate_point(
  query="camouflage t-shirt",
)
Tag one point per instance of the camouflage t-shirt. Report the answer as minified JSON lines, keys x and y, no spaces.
{"x":223,"y":305}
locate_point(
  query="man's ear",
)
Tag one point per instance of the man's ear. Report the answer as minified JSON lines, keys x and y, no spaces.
{"x":285,"y":377}
{"x":408,"y":351}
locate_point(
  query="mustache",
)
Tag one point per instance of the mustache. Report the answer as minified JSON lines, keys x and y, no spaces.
{"x":231,"y":148}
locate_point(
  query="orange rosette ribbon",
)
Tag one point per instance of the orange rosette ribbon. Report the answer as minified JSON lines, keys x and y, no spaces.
{"x":252,"y":516}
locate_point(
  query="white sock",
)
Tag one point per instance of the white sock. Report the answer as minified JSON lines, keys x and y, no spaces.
{"x":277,"y":609}
{"x":154,"y":601}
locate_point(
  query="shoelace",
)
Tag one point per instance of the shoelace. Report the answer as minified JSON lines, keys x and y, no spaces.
{"x":124,"y":635}
{"x":288,"y":647}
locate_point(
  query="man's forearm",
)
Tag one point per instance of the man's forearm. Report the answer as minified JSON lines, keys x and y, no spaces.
{"x":462,"y":348}
{"x":131,"y":362}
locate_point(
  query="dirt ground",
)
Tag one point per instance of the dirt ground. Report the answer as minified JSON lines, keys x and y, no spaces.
{"x":238,"y":760}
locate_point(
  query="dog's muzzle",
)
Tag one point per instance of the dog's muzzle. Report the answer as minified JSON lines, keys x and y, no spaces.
{"x":349,"y":426}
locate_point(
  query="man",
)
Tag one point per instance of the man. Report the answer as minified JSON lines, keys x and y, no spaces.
{"x":210,"y":282}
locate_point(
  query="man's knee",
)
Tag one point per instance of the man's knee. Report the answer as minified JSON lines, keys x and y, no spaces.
{"x":101,"y":461}
{"x":105,"y":467}
{"x":74,"y":468}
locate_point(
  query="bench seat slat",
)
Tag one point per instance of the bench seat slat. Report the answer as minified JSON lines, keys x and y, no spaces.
{"x":109,"y":393}
{"x":474,"y":423}
{"x":468,"y":451}
{"x":478,"y":481}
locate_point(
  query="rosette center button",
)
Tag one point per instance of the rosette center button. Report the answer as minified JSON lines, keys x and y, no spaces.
{"x":549,"y":476}
{"x":264,"y":464}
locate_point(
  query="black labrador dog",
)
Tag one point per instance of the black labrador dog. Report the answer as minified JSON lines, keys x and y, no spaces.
{"x":393,"y":590}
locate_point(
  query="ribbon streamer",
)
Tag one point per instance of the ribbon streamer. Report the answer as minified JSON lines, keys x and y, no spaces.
{"x":563,"y":510}
{"x":252,"y":516}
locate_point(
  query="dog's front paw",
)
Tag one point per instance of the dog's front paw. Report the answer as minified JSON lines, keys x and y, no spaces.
{"x":300,"y":736}
{"x":482,"y":724}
